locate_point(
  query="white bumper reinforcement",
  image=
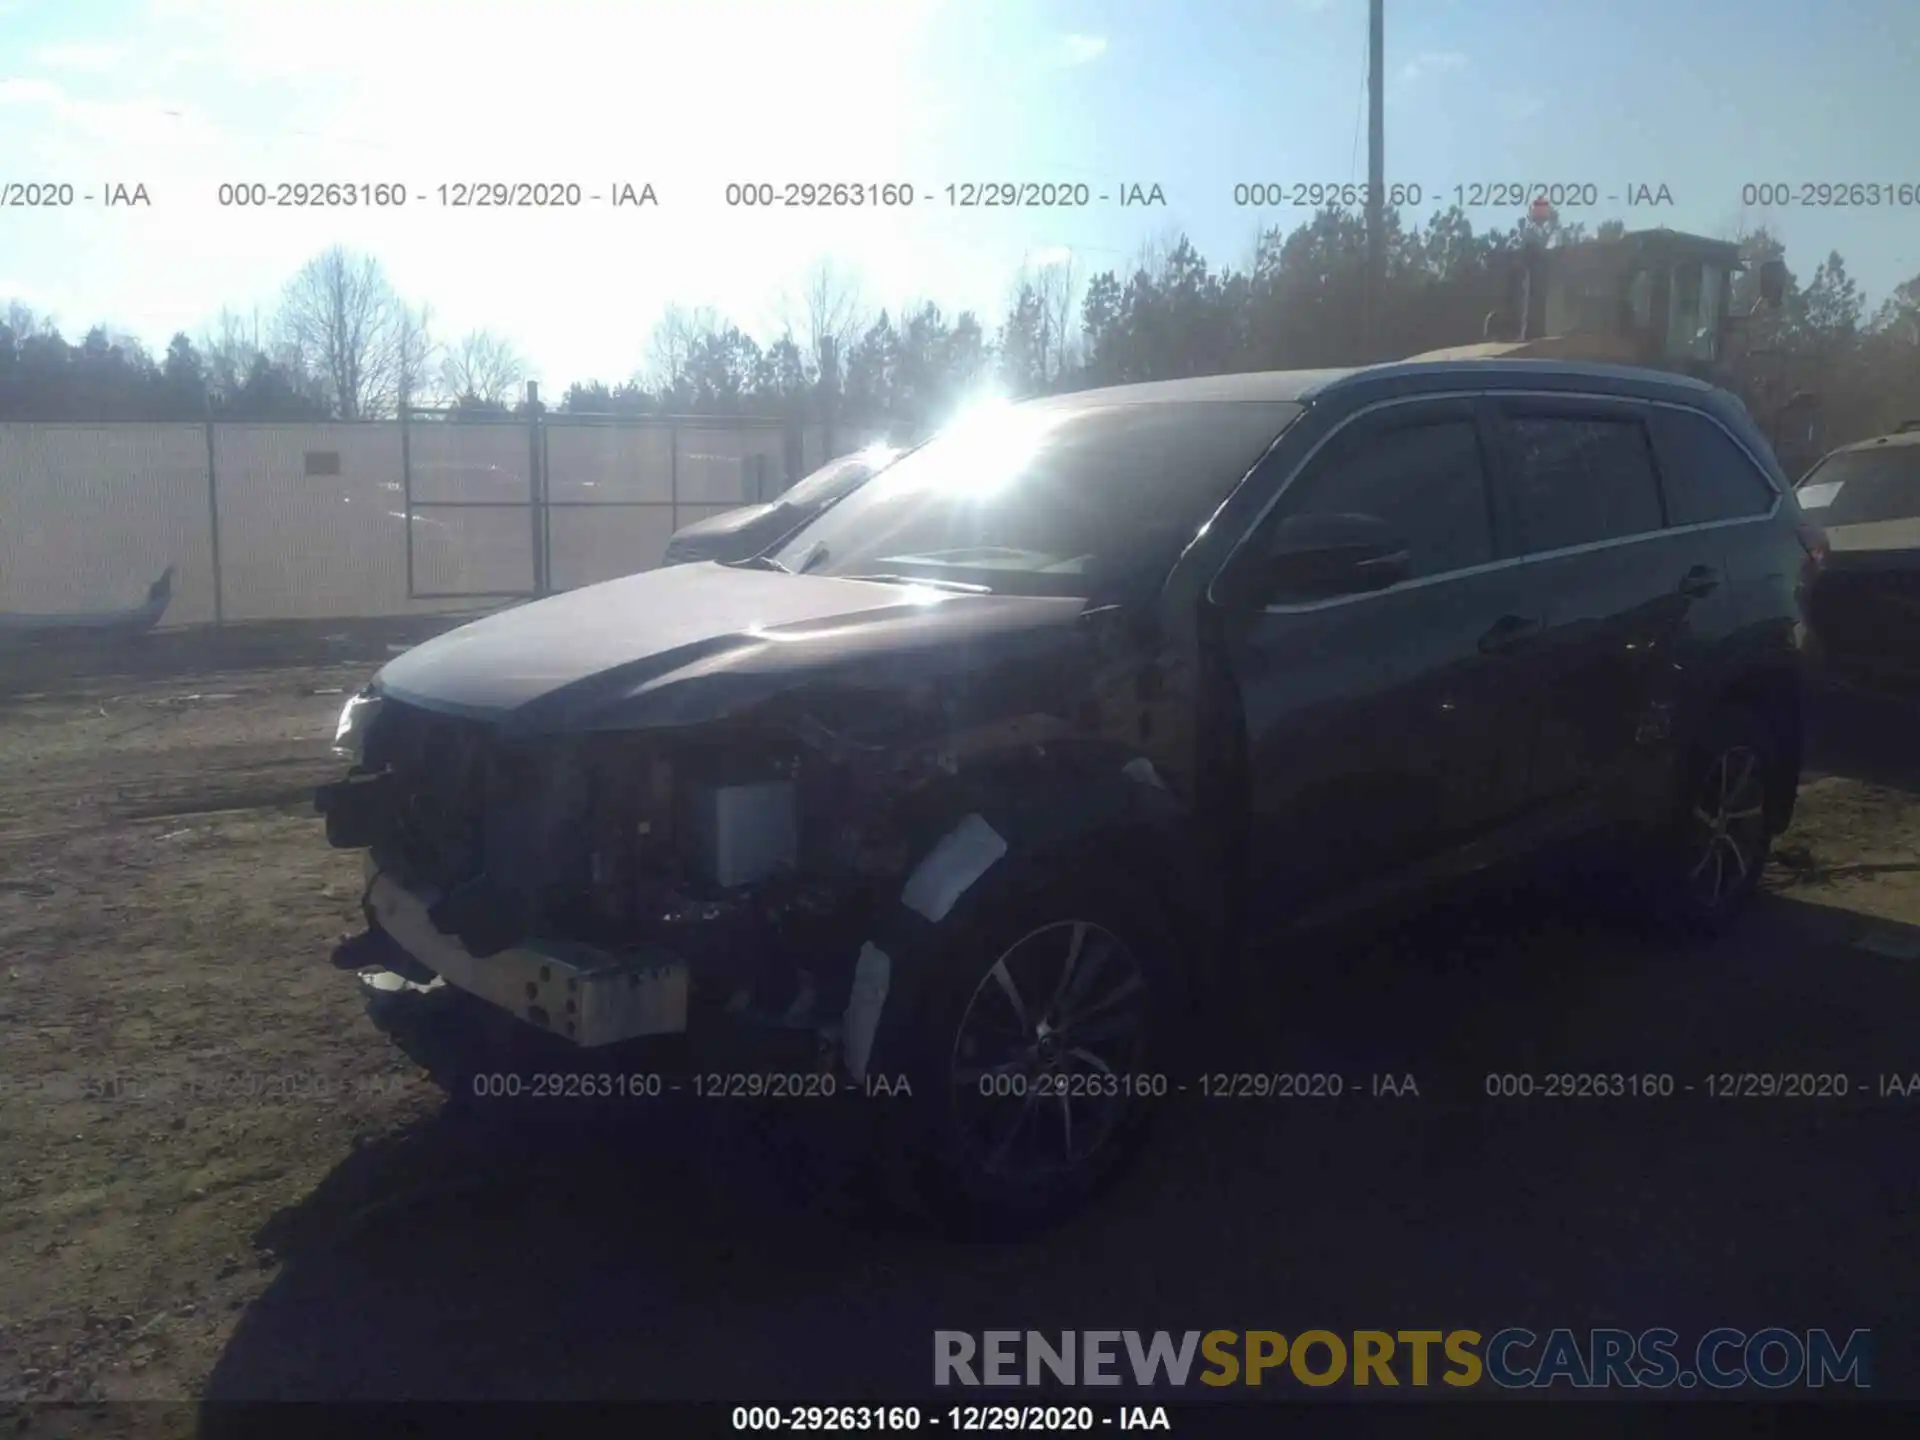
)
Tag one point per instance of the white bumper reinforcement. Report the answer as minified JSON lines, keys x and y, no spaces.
{"x":587,"y":996}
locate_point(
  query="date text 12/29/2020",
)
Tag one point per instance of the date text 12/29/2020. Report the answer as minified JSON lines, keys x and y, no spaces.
{"x":961,"y":1419}
{"x":1468,"y":195}
{"x":963,"y":195}
{"x":456,"y":195}
{"x":830,"y":1085}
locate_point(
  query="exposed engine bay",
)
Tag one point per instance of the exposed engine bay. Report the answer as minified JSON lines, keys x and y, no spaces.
{"x":756,"y":850}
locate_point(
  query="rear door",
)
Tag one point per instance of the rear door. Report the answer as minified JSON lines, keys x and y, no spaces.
{"x":1718,"y":497}
{"x":1619,"y":593}
{"x":1384,"y":728}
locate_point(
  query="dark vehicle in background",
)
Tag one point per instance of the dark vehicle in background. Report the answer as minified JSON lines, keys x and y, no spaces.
{"x":1866,"y":606}
{"x":753,"y":528}
{"x":999,"y":778}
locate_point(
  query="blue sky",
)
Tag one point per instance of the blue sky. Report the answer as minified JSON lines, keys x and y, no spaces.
{"x":1193,"y":95}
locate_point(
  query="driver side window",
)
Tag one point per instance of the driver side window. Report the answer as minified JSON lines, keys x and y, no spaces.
{"x":1425,"y":479}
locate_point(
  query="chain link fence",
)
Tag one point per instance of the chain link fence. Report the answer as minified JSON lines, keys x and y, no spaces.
{"x":369,"y":519}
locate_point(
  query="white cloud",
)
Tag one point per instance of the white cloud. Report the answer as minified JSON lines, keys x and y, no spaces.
{"x":1431,"y":62}
{"x":82,"y":57}
{"x":30,"y":92}
{"x":1082,"y":49}
{"x":147,"y":127}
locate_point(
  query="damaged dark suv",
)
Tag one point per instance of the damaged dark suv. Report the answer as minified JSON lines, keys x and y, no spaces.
{"x":1000,"y":772}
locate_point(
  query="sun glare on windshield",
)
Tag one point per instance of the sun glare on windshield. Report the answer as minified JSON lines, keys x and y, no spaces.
{"x":985,"y":449}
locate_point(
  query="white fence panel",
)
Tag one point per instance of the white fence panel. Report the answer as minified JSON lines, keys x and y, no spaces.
{"x":91,"y":514}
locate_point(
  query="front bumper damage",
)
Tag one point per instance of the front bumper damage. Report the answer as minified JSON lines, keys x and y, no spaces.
{"x":580,"y":993}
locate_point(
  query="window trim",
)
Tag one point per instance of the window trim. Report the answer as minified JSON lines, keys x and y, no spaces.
{"x":1451,"y":412}
{"x":1254,"y":527}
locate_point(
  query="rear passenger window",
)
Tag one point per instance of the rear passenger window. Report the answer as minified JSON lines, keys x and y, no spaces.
{"x":1581,"y":481}
{"x":1707,"y":476}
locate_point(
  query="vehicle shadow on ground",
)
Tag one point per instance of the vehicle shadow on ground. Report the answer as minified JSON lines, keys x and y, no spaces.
{"x":560,"y":1252}
{"x":1871,"y":738}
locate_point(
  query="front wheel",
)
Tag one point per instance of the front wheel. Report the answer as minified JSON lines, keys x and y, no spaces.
{"x":1707,"y":862}
{"x":1036,"y":1042}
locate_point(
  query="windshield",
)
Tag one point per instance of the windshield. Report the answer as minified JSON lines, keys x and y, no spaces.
{"x":1858,"y":487}
{"x":835,"y":479}
{"x":1045,"y":499}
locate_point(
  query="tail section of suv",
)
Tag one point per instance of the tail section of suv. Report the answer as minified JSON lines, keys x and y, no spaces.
{"x":1866,"y":601}
{"x":993,"y":774}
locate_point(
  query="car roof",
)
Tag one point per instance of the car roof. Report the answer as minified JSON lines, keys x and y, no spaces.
{"x":1368,"y":382}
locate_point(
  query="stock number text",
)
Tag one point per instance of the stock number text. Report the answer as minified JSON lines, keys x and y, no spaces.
{"x":1832,"y":195}
{"x":315,"y":194}
{"x":819,"y":194}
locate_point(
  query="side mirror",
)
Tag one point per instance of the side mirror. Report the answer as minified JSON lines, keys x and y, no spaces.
{"x":1316,"y":557}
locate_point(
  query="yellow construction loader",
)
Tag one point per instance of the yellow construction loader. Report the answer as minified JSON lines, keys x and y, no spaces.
{"x":1661,"y":298}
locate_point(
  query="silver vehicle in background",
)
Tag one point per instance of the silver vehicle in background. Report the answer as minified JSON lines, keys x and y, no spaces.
{"x":751,"y":529}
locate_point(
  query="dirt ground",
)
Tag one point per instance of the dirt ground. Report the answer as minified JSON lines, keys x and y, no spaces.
{"x":181,"y":1069}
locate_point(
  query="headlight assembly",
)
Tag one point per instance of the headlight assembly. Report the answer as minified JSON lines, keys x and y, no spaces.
{"x":350,"y":735}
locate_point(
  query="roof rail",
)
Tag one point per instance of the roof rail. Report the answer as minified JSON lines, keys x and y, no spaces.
{"x":1907,"y":427}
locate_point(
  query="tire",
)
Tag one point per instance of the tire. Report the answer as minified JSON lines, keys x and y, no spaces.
{"x":970,"y":1148}
{"x":1707,"y":859}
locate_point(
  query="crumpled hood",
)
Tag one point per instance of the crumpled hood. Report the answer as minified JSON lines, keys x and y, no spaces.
{"x":692,"y":643}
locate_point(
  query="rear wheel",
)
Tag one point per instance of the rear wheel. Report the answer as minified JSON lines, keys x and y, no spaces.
{"x":1707,"y":862}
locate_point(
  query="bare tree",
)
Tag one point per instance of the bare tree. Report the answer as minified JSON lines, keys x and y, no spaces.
{"x":830,"y":311}
{"x":1157,"y":249}
{"x":23,"y":322}
{"x":418,"y":358}
{"x":1057,"y":287}
{"x":482,"y":365}
{"x":231,"y":344}
{"x":343,"y":321}
{"x":671,"y":346}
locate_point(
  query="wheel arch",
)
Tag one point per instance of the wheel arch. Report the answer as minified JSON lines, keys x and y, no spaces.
{"x":1775,"y":693}
{"x":1096,"y":814}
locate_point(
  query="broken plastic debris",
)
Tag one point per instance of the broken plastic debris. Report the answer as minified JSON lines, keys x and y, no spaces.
{"x":386,"y":982}
{"x":951,"y":867}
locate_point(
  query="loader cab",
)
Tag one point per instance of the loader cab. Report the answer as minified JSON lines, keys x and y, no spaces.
{"x":1659,"y":298}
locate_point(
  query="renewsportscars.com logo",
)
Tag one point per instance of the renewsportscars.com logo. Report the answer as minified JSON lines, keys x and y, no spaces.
{"x":1513,"y":1358}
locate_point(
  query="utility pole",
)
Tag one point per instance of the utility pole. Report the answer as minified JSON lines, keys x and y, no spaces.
{"x":1375,"y":292}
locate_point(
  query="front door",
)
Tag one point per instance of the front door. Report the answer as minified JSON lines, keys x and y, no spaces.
{"x":1384,"y":728}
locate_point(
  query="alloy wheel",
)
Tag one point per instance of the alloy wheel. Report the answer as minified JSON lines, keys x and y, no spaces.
{"x":1729,"y":826}
{"x":1046,"y":1050}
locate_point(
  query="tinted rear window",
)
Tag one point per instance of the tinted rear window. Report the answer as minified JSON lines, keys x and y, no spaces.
{"x":1858,"y":487}
{"x":1707,"y":475}
{"x":1580,"y":481}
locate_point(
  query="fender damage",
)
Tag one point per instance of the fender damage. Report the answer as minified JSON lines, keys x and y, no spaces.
{"x":746,"y":812}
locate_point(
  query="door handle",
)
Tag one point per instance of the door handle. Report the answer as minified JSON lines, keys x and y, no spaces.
{"x":1508,"y":633}
{"x":1700,"y":580}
